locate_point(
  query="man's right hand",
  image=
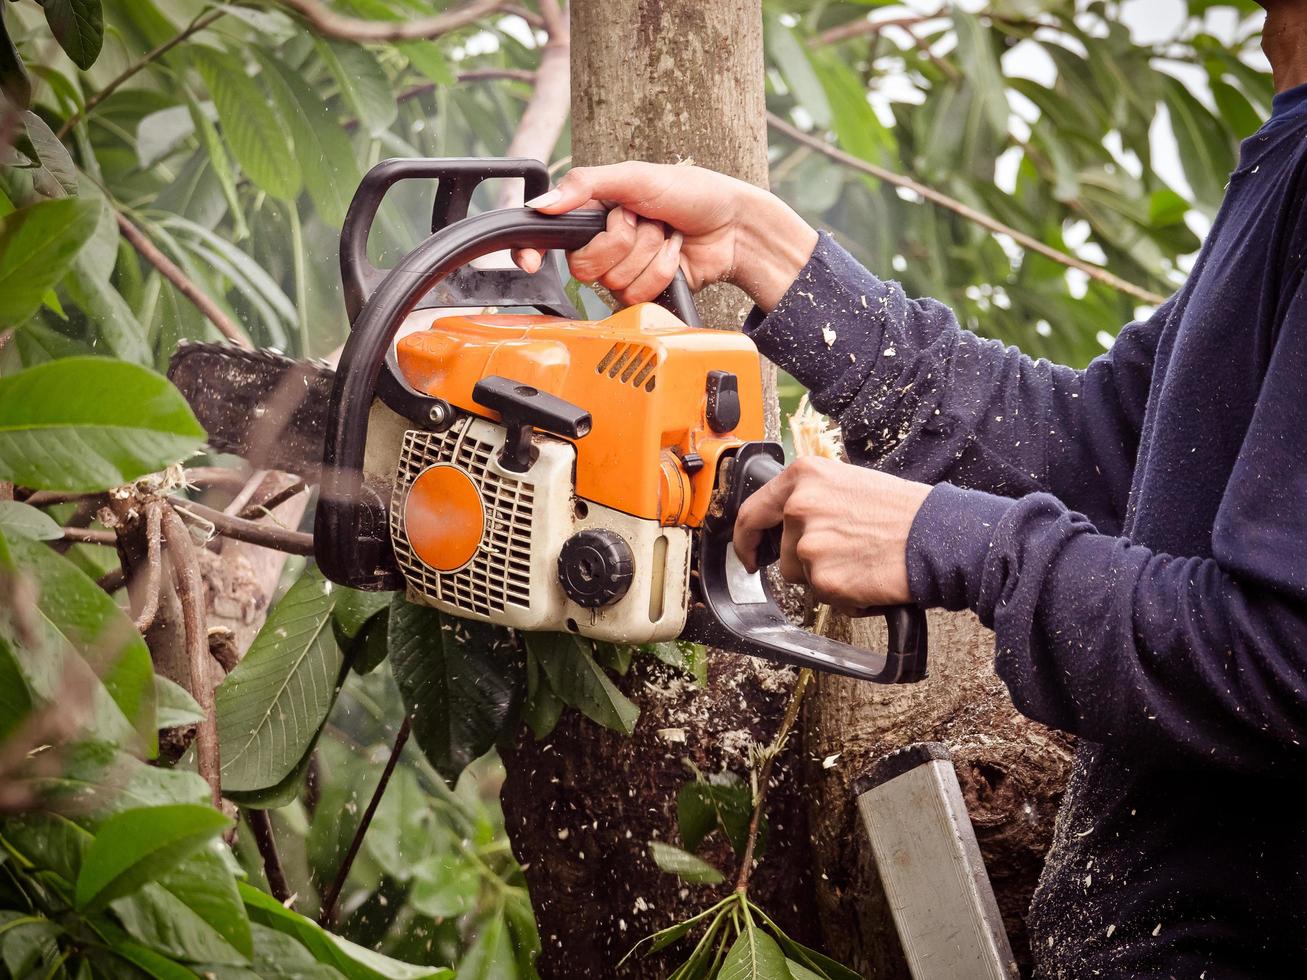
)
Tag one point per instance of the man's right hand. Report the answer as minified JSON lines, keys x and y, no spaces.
{"x":714,"y":227}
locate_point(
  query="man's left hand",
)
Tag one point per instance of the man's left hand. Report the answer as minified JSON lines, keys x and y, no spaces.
{"x":845,"y":531}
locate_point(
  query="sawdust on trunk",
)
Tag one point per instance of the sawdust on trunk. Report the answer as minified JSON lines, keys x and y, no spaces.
{"x":666,"y":81}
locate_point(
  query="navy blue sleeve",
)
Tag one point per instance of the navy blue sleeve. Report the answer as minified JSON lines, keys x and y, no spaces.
{"x":1184,"y":659}
{"x":918,"y":396}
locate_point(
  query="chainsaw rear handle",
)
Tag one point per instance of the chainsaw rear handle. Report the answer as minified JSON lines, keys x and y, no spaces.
{"x":351,"y":529}
{"x":457,"y":179}
{"x":749,"y":620}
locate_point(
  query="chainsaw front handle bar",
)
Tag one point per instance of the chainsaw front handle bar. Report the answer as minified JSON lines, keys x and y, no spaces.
{"x":347,"y":512}
{"x":457,"y":179}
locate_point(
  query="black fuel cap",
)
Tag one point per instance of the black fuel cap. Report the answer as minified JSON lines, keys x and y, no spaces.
{"x":596,"y":567}
{"x":723,"y":401}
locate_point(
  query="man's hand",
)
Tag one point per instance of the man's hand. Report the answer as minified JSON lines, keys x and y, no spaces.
{"x":714,"y":227}
{"x":845,"y":530}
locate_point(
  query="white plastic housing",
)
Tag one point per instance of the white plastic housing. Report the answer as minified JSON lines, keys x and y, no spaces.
{"x":512,"y":580}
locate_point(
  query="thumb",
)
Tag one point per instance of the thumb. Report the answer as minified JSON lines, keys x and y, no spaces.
{"x":631,"y":184}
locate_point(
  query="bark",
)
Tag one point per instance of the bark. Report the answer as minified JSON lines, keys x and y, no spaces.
{"x":661,"y":80}
{"x":1012,"y":772}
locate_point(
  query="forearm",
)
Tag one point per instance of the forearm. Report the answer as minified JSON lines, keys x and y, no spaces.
{"x":1164,"y":657}
{"x":920,"y":397}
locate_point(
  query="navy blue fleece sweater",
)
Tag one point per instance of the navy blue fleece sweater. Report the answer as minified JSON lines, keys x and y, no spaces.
{"x":1136,"y":535}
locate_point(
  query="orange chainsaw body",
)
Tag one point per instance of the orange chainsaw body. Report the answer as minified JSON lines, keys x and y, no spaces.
{"x":651,"y":452}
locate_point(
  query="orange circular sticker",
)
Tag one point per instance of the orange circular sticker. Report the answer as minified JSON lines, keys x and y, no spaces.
{"x":444,"y":517}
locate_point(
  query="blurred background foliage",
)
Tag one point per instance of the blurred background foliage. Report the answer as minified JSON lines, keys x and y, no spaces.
{"x":232,"y":136}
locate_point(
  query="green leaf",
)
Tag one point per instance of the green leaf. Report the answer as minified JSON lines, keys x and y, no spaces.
{"x":427,"y":58}
{"x":99,"y":780}
{"x":81,"y":620}
{"x":15,"y":698}
{"x":524,"y":935}
{"x":322,"y":148}
{"x":173,"y":705}
{"x":543,"y":707}
{"x":400,"y":836}
{"x":48,"y":841}
{"x":187,"y":912}
{"x":369,"y":649}
{"x":1235,"y":109}
{"x":724,"y":801}
{"x":683,"y":864}
{"x":53,"y":172}
{"x":791,"y":58}
{"x":78,"y":26}
{"x":490,"y":956}
{"x":574,"y":675}
{"x":87,"y":423}
{"x":459,"y":680}
{"x":37,"y":246}
{"x":363,"y":84}
{"x":355,"y":608}
{"x":445,"y":886}
{"x":106,"y":309}
{"x":800,"y":972}
{"x":1206,"y":152}
{"x":28,"y":944}
{"x":21,"y":521}
{"x":14,"y":80}
{"x":354,"y":962}
{"x":855,"y":122}
{"x":253,"y":131}
{"x":276,"y":957}
{"x":754,"y":956}
{"x":139,"y":845}
{"x":813,"y":960}
{"x":221,"y":165}
{"x":273,"y":705}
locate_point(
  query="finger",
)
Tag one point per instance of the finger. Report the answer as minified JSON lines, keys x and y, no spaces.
{"x":627,"y":184}
{"x":606,"y":249}
{"x":528,"y":259}
{"x":766,"y":508}
{"x":649,"y":240}
{"x":791,"y":568}
{"x":657,"y":275}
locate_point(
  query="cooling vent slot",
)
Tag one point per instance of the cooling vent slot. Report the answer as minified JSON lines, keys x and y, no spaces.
{"x":500,"y":573}
{"x":632,"y":364}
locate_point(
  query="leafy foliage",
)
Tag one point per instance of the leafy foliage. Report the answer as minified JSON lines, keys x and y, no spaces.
{"x":273,"y":705}
{"x":84,"y":423}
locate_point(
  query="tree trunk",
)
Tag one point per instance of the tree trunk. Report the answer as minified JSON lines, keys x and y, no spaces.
{"x":1012,"y":772}
{"x":666,"y":81}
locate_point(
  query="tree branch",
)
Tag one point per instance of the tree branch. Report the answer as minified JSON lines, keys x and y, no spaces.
{"x":546,"y":113}
{"x":261,"y":824}
{"x":194,"y":27}
{"x":170,"y":271}
{"x":190,"y":592}
{"x":153,"y":564}
{"x":48,"y":498}
{"x":764,"y":776}
{"x":530,"y":16}
{"x":332,"y":896}
{"x":239,"y":529}
{"x":941,"y":199}
{"x":861,"y":27}
{"x":256,"y":509}
{"x":328,"y":23}
{"x":82,"y":535}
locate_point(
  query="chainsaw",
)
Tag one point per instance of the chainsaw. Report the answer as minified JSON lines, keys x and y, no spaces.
{"x":537,"y":471}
